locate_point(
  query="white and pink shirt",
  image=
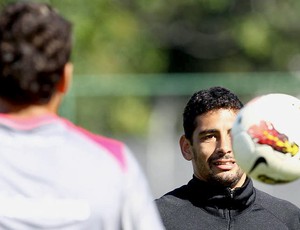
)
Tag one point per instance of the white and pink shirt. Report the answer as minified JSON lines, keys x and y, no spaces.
{"x":55,"y":175}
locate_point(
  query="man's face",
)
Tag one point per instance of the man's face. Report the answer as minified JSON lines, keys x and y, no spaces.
{"x":212,"y":155}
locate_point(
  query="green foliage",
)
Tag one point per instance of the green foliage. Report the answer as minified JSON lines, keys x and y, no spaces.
{"x":114,"y":116}
{"x":210,"y":35}
{"x":109,"y":39}
{"x":143,"y":36}
{"x":140,"y":36}
{"x":254,"y":36}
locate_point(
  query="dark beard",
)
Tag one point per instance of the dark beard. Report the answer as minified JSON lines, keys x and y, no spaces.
{"x":230,"y":181}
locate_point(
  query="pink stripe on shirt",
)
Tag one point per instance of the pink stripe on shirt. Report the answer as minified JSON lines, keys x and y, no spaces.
{"x":114,"y":147}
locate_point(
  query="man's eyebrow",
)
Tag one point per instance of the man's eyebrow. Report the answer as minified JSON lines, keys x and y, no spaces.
{"x":207,"y":131}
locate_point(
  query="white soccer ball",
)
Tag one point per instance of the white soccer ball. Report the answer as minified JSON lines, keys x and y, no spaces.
{"x":266,"y":138}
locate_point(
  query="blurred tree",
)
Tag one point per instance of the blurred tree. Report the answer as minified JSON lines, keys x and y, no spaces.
{"x":109,"y":39}
{"x":223,"y":35}
{"x":142,"y":36}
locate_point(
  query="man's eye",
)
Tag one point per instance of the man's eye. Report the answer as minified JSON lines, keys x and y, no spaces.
{"x":208,"y":137}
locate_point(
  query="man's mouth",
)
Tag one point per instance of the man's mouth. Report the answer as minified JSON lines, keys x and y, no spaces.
{"x":224,"y":164}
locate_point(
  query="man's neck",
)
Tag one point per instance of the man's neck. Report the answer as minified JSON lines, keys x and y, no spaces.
{"x":29,"y":111}
{"x":25,"y":111}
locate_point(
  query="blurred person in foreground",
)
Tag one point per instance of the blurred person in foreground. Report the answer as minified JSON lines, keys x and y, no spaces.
{"x":220,"y":195}
{"x":53,"y":174}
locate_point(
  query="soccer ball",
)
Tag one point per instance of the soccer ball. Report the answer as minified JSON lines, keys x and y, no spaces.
{"x":266,"y":138}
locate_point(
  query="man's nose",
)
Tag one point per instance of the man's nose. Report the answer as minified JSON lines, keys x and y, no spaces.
{"x":224,"y":145}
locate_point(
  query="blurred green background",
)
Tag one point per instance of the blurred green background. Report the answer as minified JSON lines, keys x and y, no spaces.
{"x":145,"y":38}
{"x":138,"y":61}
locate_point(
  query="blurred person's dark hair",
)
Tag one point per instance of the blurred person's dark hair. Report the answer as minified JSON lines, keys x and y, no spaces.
{"x":205,"y":101}
{"x":35,"y":45}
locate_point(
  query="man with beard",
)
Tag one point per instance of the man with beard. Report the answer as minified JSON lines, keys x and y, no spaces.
{"x":220,"y":195}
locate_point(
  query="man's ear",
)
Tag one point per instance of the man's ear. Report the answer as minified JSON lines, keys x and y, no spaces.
{"x":66,"y":78}
{"x":186,"y":148}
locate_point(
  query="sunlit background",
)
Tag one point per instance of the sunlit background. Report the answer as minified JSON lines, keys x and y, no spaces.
{"x":138,"y":61}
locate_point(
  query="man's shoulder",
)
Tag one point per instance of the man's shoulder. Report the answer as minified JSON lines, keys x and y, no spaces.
{"x":174,"y":206}
{"x":112,"y":146}
{"x":282,"y":209}
{"x":173,"y":199}
{"x":268,"y":200}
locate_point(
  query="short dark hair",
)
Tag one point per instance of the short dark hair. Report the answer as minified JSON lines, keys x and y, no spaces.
{"x":35,"y":45}
{"x":207,"y":100}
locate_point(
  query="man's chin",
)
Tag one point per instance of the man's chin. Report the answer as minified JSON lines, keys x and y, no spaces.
{"x":227,"y":178}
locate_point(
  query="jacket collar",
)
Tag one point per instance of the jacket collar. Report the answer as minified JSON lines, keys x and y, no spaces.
{"x":214,"y":197}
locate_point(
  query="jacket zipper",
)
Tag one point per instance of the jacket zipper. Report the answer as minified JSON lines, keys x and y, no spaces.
{"x":231,"y":195}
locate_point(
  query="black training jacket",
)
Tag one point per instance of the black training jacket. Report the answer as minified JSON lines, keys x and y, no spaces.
{"x":199,"y":205}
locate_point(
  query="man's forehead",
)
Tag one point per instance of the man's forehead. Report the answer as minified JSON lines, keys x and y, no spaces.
{"x":216,"y":117}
